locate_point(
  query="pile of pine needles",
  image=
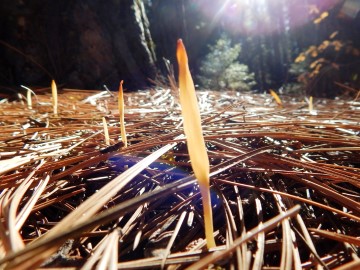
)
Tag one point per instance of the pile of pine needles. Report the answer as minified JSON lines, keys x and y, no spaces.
{"x":284,"y":183}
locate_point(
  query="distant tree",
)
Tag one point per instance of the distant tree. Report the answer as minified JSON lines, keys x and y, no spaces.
{"x":333,"y":59}
{"x":221,"y":68}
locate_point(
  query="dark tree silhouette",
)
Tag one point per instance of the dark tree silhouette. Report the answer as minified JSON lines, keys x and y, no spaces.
{"x":81,"y":44}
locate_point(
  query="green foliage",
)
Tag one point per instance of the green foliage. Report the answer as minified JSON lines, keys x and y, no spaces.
{"x":221,"y":69}
{"x":318,"y":68}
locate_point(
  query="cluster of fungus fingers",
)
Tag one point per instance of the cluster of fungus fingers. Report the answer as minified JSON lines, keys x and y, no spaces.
{"x":194,"y":138}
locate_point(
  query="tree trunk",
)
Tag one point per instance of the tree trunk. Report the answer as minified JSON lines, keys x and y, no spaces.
{"x":82,"y":44}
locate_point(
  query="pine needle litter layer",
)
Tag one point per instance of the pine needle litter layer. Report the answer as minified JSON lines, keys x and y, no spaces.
{"x":284,"y":183}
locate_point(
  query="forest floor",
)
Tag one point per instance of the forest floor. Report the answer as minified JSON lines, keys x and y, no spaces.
{"x":284,"y":182}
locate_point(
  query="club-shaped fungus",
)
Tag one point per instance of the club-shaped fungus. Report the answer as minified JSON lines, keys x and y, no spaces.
{"x":194,"y":137}
{"x":121,"y":114}
{"x":106,"y":132}
{"x":311,"y":106}
{"x":54,"y":97}
{"x":276,"y":97}
{"x":28,"y":99}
